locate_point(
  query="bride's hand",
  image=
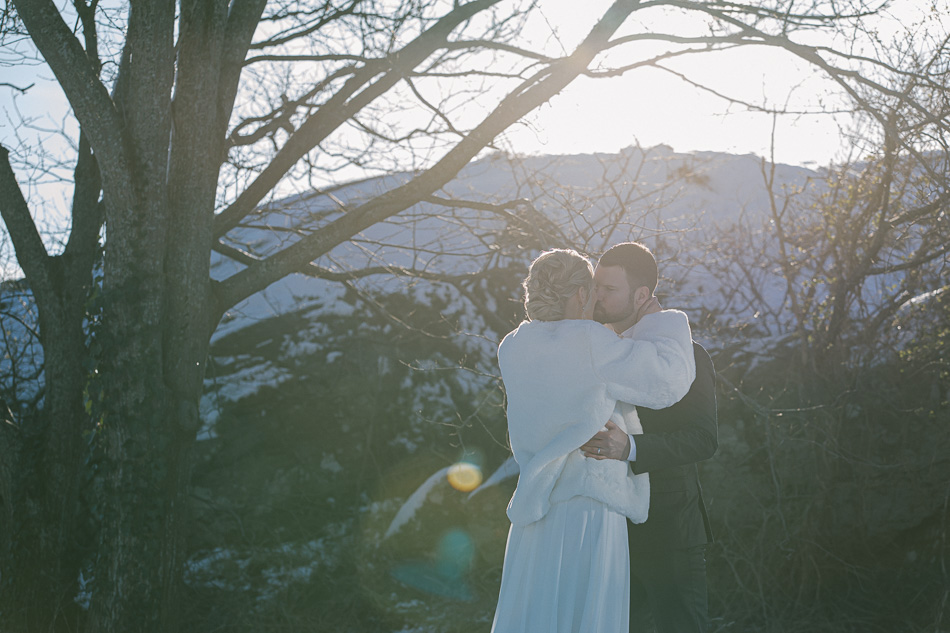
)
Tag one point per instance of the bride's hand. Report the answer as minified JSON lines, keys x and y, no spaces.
{"x":611,"y":443}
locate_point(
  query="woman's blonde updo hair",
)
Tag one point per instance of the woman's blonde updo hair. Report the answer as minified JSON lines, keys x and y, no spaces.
{"x":553,"y":278}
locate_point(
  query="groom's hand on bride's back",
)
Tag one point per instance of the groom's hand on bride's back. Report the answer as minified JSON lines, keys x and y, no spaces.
{"x":612,"y":443}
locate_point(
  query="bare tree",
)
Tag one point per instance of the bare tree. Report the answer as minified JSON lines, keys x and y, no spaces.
{"x":842,"y":285}
{"x":202,"y":113}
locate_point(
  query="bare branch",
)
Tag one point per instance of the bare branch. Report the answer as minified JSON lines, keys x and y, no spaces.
{"x":15,"y":87}
{"x":839,"y":75}
{"x":243,"y":18}
{"x":915,"y":214}
{"x":522,"y":100}
{"x":348,"y":101}
{"x":88,"y":97}
{"x":308,"y":29}
{"x":31,"y":254}
{"x":257,"y":59}
{"x":498,"y":46}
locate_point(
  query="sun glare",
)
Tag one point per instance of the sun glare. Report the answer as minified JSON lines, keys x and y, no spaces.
{"x":664,"y":104}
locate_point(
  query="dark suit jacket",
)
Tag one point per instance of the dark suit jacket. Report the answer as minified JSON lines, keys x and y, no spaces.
{"x":673,"y":441}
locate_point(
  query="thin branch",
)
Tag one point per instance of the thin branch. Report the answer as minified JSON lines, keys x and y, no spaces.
{"x":538,"y":223}
{"x":531,"y":94}
{"x":284,"y":37}
{"x":243,"y":19}
{"x":348,"y":276}
{"x":306,"y":58}
{"x":839,"y":75}
{"x":4,"y":84}
{"x":355,"y":94}
{"x":912,"y":215}
{"x":910,"y":264}
{"x":498,"y":46}
{"x":89,"y":99}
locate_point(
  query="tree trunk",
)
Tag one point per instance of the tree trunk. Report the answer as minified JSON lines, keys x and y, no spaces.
{"x":137,"y":490}
{"x":140,"y":483}
{"x":44,"y":537}
{"x":150,"y":427}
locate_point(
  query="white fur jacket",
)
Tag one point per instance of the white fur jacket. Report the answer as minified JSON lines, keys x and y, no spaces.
{"x":563,"y":380}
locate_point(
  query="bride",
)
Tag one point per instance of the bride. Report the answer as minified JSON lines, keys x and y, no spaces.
{"x":566,"y":566}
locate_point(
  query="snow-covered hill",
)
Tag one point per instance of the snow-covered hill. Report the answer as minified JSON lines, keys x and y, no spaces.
{"x":675,"y":202}
{"x":588,"y":201}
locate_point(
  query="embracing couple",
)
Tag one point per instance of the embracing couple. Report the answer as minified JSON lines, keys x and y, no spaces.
{"x":608,"y":526}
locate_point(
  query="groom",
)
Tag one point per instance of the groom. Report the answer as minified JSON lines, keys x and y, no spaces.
{"x":667,"y":561}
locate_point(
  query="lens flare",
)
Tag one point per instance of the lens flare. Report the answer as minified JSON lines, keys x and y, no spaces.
{"x":464,"y":476}
{"x":455,"y":553}
{"x":446,"y":574}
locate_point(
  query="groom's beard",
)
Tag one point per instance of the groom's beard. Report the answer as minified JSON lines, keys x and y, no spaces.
{"x":602,"y":316}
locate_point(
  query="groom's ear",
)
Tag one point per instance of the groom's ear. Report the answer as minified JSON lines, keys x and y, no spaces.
{"x":641,"y":295}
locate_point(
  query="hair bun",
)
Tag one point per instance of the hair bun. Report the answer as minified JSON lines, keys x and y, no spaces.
{"x":553,"y":278}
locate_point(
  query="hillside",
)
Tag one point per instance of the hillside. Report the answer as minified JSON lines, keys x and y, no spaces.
{"x":677,"y":202}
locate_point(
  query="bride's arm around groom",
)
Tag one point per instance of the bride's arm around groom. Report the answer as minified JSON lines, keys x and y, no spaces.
{"x":593,"y":369}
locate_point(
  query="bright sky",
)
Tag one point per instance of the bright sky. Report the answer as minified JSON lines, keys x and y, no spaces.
{"x":652,"y":106}
{"x":648,"y":106}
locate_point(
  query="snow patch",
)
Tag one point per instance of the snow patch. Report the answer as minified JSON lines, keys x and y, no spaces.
{"x":330,"y":463}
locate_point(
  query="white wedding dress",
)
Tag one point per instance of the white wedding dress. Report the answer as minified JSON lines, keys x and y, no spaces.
{"x":566,"y":573}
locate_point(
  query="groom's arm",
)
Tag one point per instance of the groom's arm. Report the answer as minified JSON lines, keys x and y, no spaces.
{"x":686,"y":432}
{"x":691,"y":433}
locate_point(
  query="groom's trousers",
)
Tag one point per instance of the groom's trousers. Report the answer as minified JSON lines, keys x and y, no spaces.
{"x":667,"y":552}
{"x":668,"y":591}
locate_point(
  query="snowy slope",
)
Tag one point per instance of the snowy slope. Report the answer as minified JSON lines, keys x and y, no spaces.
{"x":575,"y":199}
{"x":697,"y":193}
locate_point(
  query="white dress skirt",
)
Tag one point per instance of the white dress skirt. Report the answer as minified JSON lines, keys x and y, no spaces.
{"x":566,"y":573}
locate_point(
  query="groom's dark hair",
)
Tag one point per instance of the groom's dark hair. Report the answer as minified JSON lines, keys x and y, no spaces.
{"x":636,"y":260}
